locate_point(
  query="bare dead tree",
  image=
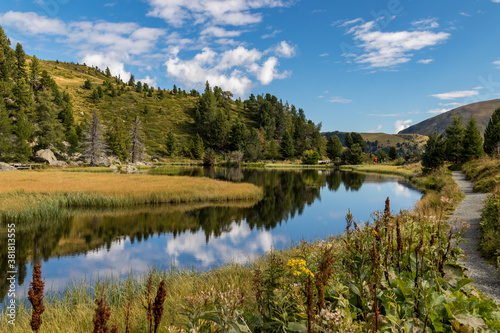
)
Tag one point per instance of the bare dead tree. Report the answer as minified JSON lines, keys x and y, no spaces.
{"x":137,"y":137}
{"x":94,"y":144}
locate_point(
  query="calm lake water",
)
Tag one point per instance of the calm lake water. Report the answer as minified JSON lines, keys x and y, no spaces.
{"x":297,"y":205}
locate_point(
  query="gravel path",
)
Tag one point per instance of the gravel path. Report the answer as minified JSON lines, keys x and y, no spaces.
{"x":469,"y":210}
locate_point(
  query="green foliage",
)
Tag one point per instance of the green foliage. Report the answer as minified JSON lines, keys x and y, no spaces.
{"x":171,"y":144}
{"x":492,"y":134}
{"x":50,"y":131}
{"x":118,"y":139}
{"x":435,"y":152}
{"x":490,"y":229}
{"x":310,"y":157}
{"x":87,"y":84}
{"x":198,"y":148}
{"x":287,"y":148}
{"x":209,"y":157}
{"x":5,"y":133}
{"x":393,"y":153}
{"x":357,"y":138}
{"x":454,"y":139}
{"x":354,"y":155}
{"x":348,"y":140}
{"x":472,"y":142}
{"x":334,"y":147}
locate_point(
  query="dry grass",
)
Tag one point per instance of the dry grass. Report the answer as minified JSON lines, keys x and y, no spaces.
{"x":26,"y":195}
{"x":485,"y":173}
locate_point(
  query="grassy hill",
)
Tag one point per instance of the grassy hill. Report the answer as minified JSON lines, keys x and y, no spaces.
{"x":172,"y":112}
{"x":404,"y":143}
{"x":481,"y":111}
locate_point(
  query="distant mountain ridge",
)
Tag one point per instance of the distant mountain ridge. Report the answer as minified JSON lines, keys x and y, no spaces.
{"x":481,"y":111}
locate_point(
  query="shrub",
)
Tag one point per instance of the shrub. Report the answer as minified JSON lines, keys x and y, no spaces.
{"x":310,"y":157}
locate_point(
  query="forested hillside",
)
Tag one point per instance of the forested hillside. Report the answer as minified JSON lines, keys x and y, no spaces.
{"x":49,"y":104}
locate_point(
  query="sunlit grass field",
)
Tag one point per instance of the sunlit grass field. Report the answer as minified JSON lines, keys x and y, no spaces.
{"x":31,"y":195}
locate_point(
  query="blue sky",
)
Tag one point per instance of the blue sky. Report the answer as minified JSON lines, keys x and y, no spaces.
{"x":358,"y":65}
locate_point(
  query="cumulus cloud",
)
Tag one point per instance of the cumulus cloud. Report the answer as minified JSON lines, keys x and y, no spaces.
{"x":285,"y":50}
{"x":400,"y":125}
{"x":220,"y":32}
{"x":379,"y":49}
{"x":101,"y":60}
{"x":221,"y":12}
{"x":456,"y":94}
{"x":31,"y":23}
{"x":230,"y":70}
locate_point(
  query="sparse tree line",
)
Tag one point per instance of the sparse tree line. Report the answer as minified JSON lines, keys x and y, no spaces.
{"x":459,"y":144}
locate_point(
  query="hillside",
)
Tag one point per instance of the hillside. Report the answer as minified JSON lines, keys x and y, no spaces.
{"x":481,"y":111}
{"x":49,"y":104}
{"x":404,"y":143}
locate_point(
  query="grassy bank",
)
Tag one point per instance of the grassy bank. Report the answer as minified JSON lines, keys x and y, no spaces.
{"x":485,"y":173}
{"x":397,"y":274}
{"x":31,"y":195}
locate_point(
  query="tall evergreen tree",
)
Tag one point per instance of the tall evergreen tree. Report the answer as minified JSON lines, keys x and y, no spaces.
{"x":334,"y":147}
{"x":5,"y":133}
{"x":435,"y":152}
{"x":198,"y":148}
{"x":94,"y":145}
{"x":357,"y":138}
{"x":34,"y":75}
{"x":137,"y":138}
{"x":20,"y":62}
{"x":171,"y":144}
{"x":118,"y":139}
{"x":348,"y":140}
{"x":237,"y":136}
{"x":454,"y":138}
{"x":287,"y":149}
{"x":23,"y":130}
{"x":492,"y":134}
{"x":472,"y":142}
{"x":50,"y":131}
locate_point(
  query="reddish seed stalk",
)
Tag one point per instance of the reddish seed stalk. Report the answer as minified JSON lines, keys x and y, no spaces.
{"x":158,"y":304}
{"x":102,"y":314}
{"x":35,"y":296}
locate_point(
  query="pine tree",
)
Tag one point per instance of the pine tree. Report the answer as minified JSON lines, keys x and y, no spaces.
{"x":94,"y":145}
{"x":137,"y":138}
{"x":5,"y":133}
{"x":357,"y":138}
{"x":199,"y":148}
{"x":492,"y":134}
{"x":435,"y":152}
{"x":171,"y":144}
{"x":20,"y":62}
{"x":287,"y":149}
{"x":131,"y":81}
{"x":334,"y":147}
{"x":108,"y":72}
{"x":348,"y":140}
{"x":23,"y":130}
{"x":393,"y":153}
{"x":472,"y":142}
{"x":34,"y":74}
{"x":50,"y":131}
{"x":237,"y":136}
{"x":454,"y":135}
{"x":118,"y":139}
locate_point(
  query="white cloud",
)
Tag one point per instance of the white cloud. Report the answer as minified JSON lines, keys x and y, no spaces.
{"x":426,"y":24}
{"x":497,"y":63}
{"x":222,"y":12}
{"x":220,"y":32}
{"x":478,"y":88}
{"x":351,"y":22}
{"x":425,"y":61}
{"x":285,"y":50}
{"x":400,"y":125}
{"x":451,"y":104}
{"x":271,"y":35}
{"x":379,"y":127}
{"x":456,"y":94}
{"x":386,"y":49}
{"x":31,"y":23}
{"x":102,"y":61}
{"x":324,"y":55}
{"x":465,"y":14}
{"x":149,"y":80}
{"x":438,"y":111}
{"x":341,"y":100}
{"x":230,"y":70}
{"x":496,"y":1}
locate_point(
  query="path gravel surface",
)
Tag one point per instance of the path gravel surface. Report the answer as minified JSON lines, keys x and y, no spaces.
{"x":484,"y":274}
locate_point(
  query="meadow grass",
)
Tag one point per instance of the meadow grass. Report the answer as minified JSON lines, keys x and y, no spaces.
{"x":485,"y":173}
{"x":31,"y":195}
